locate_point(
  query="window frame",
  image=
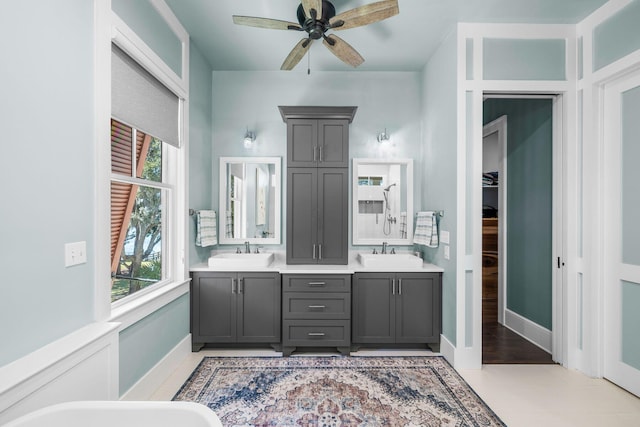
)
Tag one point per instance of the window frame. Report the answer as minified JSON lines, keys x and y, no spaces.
{"x":169,"y":162}
{"x":109,"y":28}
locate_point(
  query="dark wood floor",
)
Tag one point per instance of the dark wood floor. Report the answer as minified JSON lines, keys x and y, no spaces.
{"x":500,"y":345}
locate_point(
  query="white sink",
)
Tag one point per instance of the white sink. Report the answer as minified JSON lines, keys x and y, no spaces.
{"x":380,"y":261}
{"x":240,"y":261}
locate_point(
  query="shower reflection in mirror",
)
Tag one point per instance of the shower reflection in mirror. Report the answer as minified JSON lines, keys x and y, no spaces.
{"x":383,"y":193}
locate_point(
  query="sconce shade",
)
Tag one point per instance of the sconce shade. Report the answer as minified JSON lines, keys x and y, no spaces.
{"x":383,"y":136}
{"x":249,"y":137}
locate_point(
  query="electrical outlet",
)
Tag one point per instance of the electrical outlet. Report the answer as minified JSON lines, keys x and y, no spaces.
{"x":75,"y":253}
{"x":447,"y":255}
{"x":444,"y":237}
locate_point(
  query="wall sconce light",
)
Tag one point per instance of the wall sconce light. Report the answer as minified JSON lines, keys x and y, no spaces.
{"x":249,"y":137}
{"x":383,"y":136}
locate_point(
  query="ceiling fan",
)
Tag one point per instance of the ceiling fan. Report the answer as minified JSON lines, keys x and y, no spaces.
{"x":316,"y":17}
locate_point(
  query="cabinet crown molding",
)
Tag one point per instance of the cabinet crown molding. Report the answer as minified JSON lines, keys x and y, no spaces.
{"x":309,"y":112}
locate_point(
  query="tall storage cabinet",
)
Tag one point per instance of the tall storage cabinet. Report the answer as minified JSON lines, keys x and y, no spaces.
{"x":317,"y":184}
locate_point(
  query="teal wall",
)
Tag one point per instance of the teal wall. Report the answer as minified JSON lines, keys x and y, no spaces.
{"x":251,"y":99}
{"x":201,"y":178}
{"x":439,"y":174}
{"x":47,"y":171}
{"x":145,"y":343}
{"x":617,"y":37}
{"x":529,"y":199}
{"x":151,"y":27}
{"x":524,"y":59}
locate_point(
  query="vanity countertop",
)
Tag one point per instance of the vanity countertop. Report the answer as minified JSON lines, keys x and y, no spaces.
{"x":280,"y":266}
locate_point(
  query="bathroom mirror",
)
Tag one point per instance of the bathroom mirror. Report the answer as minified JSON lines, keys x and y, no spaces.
{"x":382,"y":201}
{"x":250,"y":206}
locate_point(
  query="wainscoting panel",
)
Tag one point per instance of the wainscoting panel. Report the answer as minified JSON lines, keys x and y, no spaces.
{"x":80,"y":366}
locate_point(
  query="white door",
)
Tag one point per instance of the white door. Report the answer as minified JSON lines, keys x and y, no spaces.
{"x":622,"y":233}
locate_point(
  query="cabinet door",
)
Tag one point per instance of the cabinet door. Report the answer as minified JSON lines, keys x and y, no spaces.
{"x":302,"y":215}
{"x":417,"y":308}
{"x":333,"y":143}
{"x":333,"y":219}
{"x":374,"y":309}
{"x":214,"y":308}
{"x":302,"y":143}
{"x":258,"y":307}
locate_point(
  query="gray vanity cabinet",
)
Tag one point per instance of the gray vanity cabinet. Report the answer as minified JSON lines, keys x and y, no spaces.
{"x":317,"y":143}
{"x":317,"y":215}
{"x":396,"y":308}
{"x":229,"y":307}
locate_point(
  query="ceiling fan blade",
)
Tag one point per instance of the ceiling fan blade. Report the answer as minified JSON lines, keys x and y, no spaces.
{"x":272,"y":24}
{"x":343,"y":50}
{"x":312,"y":4}
{"x":365,"y":15}
{"x":296,"y":54}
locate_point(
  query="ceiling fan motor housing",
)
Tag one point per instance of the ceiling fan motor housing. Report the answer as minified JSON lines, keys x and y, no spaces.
{"x":316,"y":28}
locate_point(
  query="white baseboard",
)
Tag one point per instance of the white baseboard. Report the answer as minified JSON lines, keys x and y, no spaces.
{"x":152,"y":380}
{"x":536,"y":334}
{"x":80,"y":366}
{"x":447,"y":350}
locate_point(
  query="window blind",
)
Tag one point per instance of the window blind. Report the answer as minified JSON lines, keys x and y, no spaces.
{"x":140,"y":100}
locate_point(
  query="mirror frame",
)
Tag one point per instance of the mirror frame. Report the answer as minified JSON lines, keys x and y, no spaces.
{"x":354,"y":195}
{"x":222,"y":208}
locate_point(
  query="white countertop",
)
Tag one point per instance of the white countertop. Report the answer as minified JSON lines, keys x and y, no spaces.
{"x":279,"y":265}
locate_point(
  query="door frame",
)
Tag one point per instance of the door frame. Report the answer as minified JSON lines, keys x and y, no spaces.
{"x":556,"y":341}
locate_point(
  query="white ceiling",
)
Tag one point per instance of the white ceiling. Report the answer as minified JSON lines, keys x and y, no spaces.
{"x":401,"y":43}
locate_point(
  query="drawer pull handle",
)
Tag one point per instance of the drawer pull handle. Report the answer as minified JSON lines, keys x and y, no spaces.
{"x":316,"y":334}
{"x":317,"y":307}
{"x":317,"y":283}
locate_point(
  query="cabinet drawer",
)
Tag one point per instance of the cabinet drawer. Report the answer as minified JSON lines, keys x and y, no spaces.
{"x":315,"y":283}
{"x":302,"y":305}
{"x":315,"y":333}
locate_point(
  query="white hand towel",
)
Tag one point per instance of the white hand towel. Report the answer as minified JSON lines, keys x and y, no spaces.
{"x":206,"y":228}
{"x":426,"y":229}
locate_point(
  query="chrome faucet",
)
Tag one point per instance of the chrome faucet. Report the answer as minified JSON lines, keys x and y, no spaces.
{"x":247,"y":248}
{"x":384,"y":248}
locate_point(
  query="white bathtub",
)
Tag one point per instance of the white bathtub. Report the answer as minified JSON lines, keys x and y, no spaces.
{"x":120,"y":414}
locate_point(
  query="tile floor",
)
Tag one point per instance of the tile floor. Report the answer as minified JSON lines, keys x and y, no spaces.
{"x":521,"y":395}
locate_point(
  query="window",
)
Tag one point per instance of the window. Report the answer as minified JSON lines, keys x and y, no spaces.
{"x":140,"y":198}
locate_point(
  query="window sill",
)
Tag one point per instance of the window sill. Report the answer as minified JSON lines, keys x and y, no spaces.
{"x":137,"y":309}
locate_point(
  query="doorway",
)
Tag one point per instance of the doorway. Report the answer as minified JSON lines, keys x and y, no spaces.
{"x":518,"y":185}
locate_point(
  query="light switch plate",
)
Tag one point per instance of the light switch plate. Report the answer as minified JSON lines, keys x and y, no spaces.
{"x":447,"y":255}
{"x":444,"y":237}
{"x":75,"y":253}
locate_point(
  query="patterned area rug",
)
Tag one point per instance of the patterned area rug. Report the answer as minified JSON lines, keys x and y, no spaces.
{"x":336,"y":391}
